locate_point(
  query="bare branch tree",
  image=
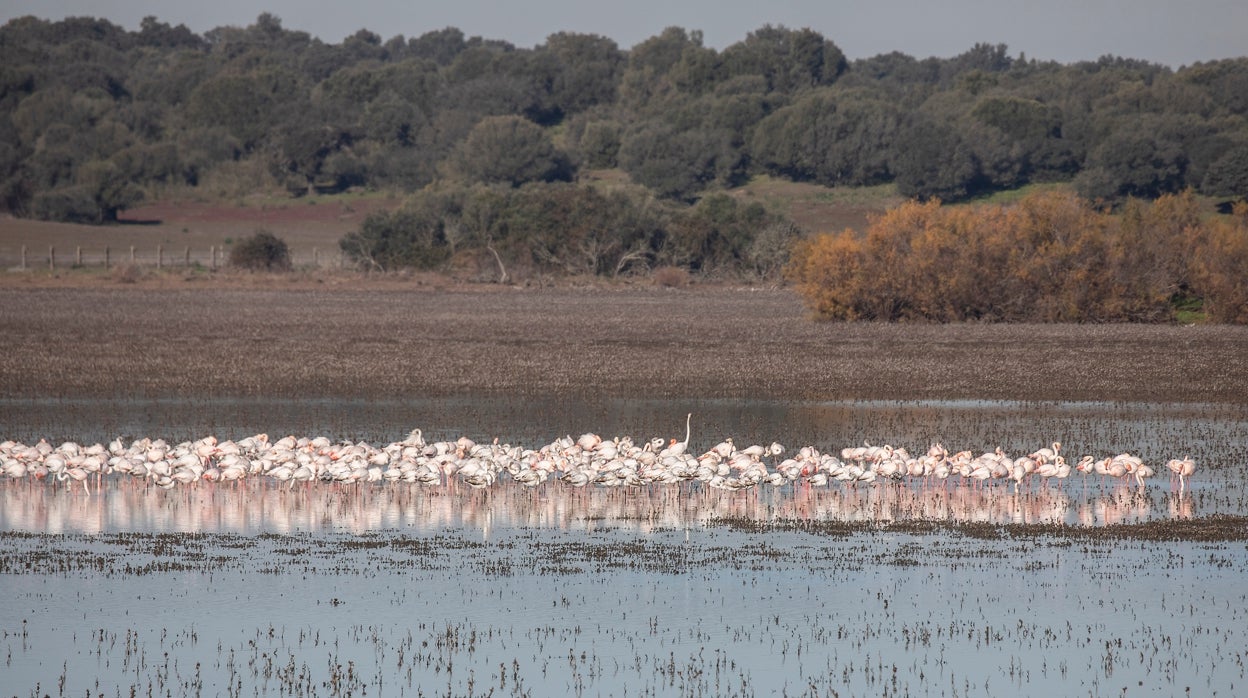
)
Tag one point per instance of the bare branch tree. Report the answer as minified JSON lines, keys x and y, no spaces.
{"x":502,"y":271}
{"x":638,"y":255}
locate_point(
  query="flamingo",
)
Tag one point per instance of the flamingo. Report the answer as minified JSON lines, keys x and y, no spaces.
{"x":1044,"y":455}
{"x":1116,"y":467}
{"x":1184,"y":468}
{"x":77,"y":474}
{"x":1018,"y":471}
{"x":675,"y":448}
{"x":1063,"y":470}
{"x":1141,"y":472}
{"x":611,"y":462}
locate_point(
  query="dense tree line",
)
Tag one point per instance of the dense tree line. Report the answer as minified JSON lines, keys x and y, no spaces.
{"x":94,"y":118}
{"x":85,"y":101}
{"x":1048,"y":258}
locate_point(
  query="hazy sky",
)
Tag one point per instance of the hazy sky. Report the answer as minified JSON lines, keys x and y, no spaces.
{"x":1172,"y":32}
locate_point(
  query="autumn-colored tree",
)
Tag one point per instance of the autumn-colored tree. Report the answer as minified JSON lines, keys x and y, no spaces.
{"x":1219,"y":267}
{"x":827,"y":270}
{"x":1049,"y":258}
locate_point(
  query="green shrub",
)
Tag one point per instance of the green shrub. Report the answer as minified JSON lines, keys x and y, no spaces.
{"x":263,"y":251}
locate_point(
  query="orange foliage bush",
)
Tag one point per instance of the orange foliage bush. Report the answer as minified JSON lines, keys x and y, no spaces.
{"x":1049,"y":258}
{"x":827,"y":272}
{"x":1220,"y":267}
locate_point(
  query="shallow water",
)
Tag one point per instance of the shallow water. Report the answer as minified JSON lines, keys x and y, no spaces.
{"x":403,"y":591}
{"x":610,"y":611}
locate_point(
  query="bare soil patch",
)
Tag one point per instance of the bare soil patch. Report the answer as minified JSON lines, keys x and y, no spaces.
{"x":312,"y":339}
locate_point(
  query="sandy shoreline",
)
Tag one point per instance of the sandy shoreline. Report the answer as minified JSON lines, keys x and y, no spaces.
{"x":318,"y":340}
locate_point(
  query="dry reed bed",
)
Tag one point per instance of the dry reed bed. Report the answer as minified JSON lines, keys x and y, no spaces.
{"x":125,"y":341}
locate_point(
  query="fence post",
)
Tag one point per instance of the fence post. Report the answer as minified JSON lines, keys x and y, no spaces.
{"x":23,"y":258}
{"x":106,"y":257}
{"x":132,"y":254}
{"x":212,"y":253}
{"x":78,"y":256}
{"x":51,"y":258}
{"x":187,"y":255}
{"x":160,"y":256}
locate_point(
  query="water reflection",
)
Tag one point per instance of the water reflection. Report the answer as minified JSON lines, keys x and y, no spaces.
{"x":258,"y":508}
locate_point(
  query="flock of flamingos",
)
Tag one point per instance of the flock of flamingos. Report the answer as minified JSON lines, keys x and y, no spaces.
{"x":587,"y":460}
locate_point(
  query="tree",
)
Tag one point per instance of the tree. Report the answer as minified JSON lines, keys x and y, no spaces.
{"x":1032,"y":130}
{"x":981,"y":61}
{"x":829,"y":137}
{"x":895,"y":74}
{"x":157,"y":34}
{"x":599,"y":144}
{"x":501,"y":232}
{"x":788,"y":59}
{"x":1228,"y":175}
{"x":716,"y":235}
{"x":931,"y":160}
{"x":353,"y":85}
{"x":736,"y":107}
{"x":440,"y":46}
{"x":72,"y":204}
{"x":827,"y":272}
{"x":678,"y":164}
{"x":392,"y":121}
{"x":1049,"y":257}
{"x":303,"y":150}
{"x":511,"y":150}
{"x":405,"y":238}
{"x":364,"y":45}
{"x":1219,"y":265}
{"x":662,"y":65}
{"x":585,"y":72}
{"x":238,"y":103}
{"x":1225,"y":81}
{"x":577,"y":230}
{"x":1131,"y":162}
{"x":98,"y":193}
{"x":768,"y":252}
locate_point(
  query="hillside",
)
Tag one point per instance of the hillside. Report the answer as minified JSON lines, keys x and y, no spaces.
{"x":493,"y":144}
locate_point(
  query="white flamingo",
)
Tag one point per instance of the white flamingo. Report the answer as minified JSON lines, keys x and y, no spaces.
{"x":675,"y":448}
{"x":1183,"y":468}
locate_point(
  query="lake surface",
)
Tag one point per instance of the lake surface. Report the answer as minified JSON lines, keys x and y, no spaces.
{"x":385,"y":590}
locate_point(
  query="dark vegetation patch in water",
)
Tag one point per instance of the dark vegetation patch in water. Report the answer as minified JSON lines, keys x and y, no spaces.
{"x":1214,"y":528}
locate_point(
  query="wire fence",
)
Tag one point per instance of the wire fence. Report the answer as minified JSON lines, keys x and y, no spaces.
{"x":54,"y":257}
